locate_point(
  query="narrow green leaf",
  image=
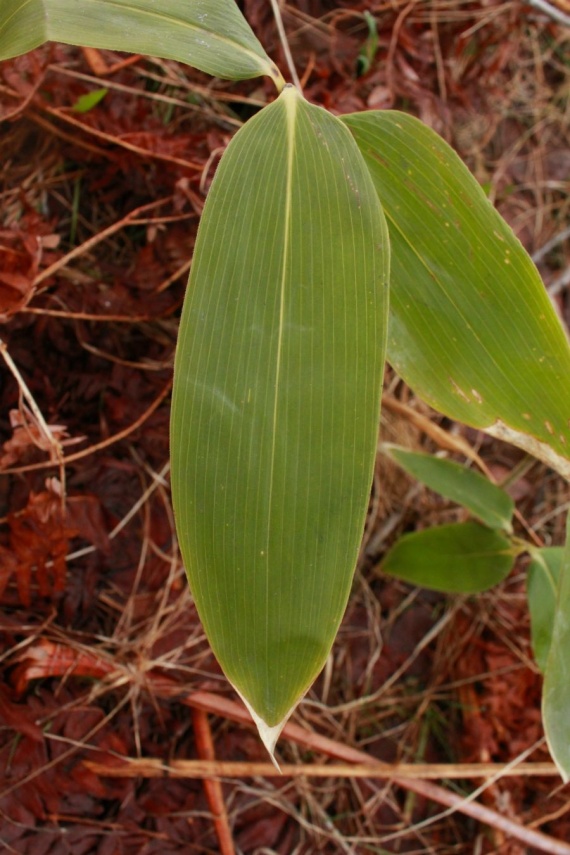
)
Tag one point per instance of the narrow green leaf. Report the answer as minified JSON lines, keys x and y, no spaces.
{"x":463,"y":558}
{"x":483,"y":499}
{"x":276,"y":401}
{"x":542,"y":586}
{"x":556,"y":691}
{"x":86,"y":102}
{"x":211,"y":35}
{"x":472,"y":330}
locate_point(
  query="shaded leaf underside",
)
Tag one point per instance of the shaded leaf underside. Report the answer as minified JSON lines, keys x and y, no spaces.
{"x":211,"y":35}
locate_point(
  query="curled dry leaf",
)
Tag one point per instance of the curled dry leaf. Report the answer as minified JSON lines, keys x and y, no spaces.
{"x":28,"y":435}
{"x":39,"y":540}
{"x":48,"y":659}
{"x":19,"y":260}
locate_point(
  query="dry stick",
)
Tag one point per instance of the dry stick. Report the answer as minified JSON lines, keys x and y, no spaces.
{"x":164,"y":99}
{"x":93,"y":241}
{"x":53,"y":443}
{"x":552,"y":11}
{"x":212,"y":788}
{"x":168,"y":688}
{"x":100,"y":445}
{"x":229,"y":709}
{"x":151,"y":767}
{"x":115,"y":140}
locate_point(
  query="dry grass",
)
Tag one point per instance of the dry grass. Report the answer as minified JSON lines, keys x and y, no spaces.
{"x":104,"y":668}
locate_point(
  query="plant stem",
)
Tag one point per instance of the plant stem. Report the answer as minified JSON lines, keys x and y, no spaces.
{"x":283,"y":38}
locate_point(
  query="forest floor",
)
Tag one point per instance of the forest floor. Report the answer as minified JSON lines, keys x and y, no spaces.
{"x":102,"y":656}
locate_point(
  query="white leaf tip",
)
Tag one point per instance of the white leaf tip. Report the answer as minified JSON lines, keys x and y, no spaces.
{"x":269,"y":734}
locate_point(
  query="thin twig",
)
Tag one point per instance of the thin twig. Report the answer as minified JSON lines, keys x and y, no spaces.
{"x":91,"y":242}
{"x":551,"y":244}
{"x":52,"y":441}
{"x":552,"y":11}
{"x":99,"y":446}
{"x":151,"y":767}
{"x":283,"y":38}
{"x":559,"y":284}
{"x":212,"y":787}
{"x":313,"y":741}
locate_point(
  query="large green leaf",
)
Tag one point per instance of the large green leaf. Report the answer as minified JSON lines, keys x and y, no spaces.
{"x":277,"y":393}
{"x":460,"y":558}
{"x":542,"y":587}
{"x":211,"y":35}
{"x":472,"y":330}
{"x":556,"y":691}
{"x":482,"y":498}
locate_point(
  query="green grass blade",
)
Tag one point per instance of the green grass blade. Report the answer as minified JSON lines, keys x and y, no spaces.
{"x":483,"y":499}
{"x":211,"y":35}
{"x":277,"y":394}
{"x":472,"y":330}
{"x":461,"y":558}
{"x":556,"y":691}
{"x":542,"y":586}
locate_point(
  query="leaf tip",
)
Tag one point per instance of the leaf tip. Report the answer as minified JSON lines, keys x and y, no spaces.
{"x":269,"y":734}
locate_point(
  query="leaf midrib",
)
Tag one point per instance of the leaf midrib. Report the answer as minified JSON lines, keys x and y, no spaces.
{"x":289,"y":99}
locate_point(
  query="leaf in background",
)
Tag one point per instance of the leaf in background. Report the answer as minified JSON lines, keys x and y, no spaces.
{"x":556,"y":690}
{"x":86,"y":102}
{"x":211,"y":35}
{"x":483,"y":499}
{"x":542,"y":586}
{"x":462,"y":558}
{"x":277,"y":394}
{"x":472,"y":330}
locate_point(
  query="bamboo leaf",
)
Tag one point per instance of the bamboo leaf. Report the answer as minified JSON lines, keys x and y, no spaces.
{"x":276,"y":401}
{"x":211,"y":35}
{"x":556,"y":691}
{"x":462,"y":558}
{"x":472,"y":330}
{"x":542,"y":586}
{"x":483,"y":499}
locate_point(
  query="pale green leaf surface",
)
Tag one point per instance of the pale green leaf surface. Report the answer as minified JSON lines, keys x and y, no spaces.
{"x":471,"y":330}
{"x":483,"y":499}
{"x":542,"y":585}
{"x":556,"y":690}
{"x":87,"y":102}
{"x":277,"y":393}
{"x":461,"y":558}
{"x":211,"y":35}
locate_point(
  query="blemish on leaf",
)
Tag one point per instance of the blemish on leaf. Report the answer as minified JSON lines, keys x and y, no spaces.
{"x":459,"y":391}
{"x":549,"y":427}
{"x":477,"y":396}
{"x":527,"y":416}
{"x":532,"y":445}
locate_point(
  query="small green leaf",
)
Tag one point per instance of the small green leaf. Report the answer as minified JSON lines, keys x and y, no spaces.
{"x":86,"y":102}
{"x":463,"y":558}
{"x":276,"y":398}
{"x":556,"y":691}
{"x":211,"y":35}
{"x":542,"y":586}
{"x":370,"y":46}
{"x":472,"y":329}
{"x":483,"y":499}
